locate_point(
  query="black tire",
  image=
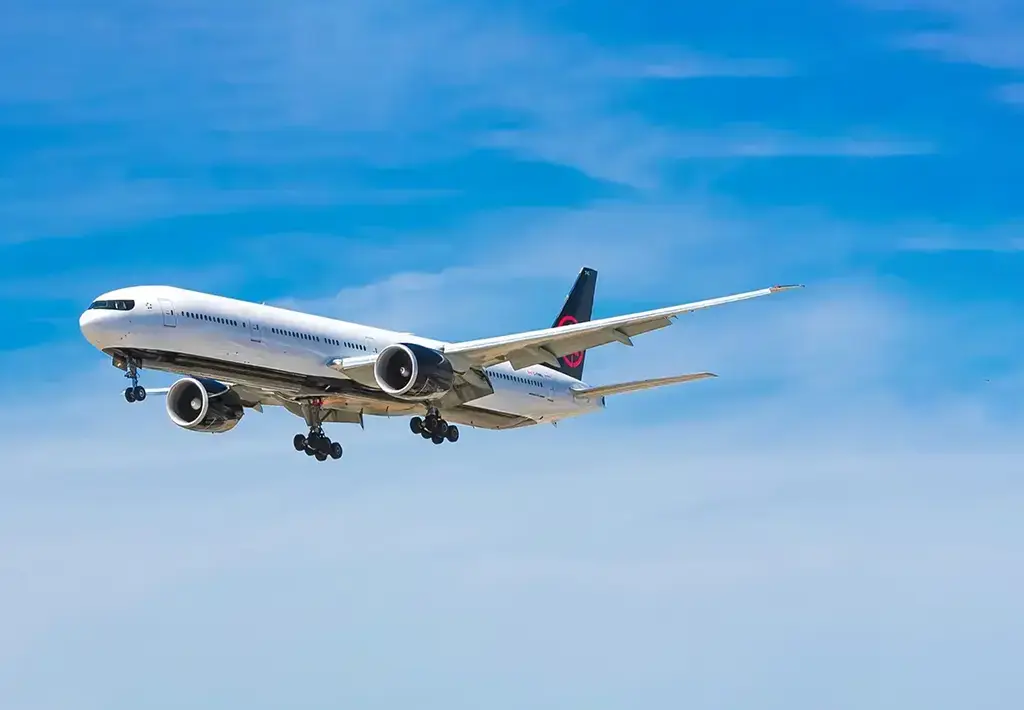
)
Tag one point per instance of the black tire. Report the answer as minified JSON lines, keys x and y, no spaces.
{"x":336,"y":450}
{"x":320,"y":456}
{"x":310,"y":451}
{"x":140,"y":393}
{"x":442,"y":428}
{"x":430,"y":423}
{"x":299,"y":442}
{"x":416,"y":425}
{"x":129,"y":395}
{"x":426,"y":434}
{"x":452,"y":434}
{"x":437,"y":439}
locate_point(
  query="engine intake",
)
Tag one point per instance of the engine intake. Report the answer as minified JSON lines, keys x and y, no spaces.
{"x":411,"y":371}
{"x":203,"y":405}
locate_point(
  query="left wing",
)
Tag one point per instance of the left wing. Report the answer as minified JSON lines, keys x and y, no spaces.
{"x":548,"y":345}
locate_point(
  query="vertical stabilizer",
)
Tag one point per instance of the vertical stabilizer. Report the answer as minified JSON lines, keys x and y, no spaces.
{"x":578,"y":308}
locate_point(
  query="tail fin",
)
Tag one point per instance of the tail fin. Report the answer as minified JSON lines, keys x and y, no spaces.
{"x":578,"y":308}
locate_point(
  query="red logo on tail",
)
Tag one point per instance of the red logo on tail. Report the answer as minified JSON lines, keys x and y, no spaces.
{"x":572,"y":359}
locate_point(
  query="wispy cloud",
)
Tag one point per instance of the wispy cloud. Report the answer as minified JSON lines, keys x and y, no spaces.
{"x":600,"y":152}
{"x":987,"y":32}
{"x":391,"y":84}
{"x":81,"y":207}
{"x":1011,"y":94}
{"x":950,"y":238}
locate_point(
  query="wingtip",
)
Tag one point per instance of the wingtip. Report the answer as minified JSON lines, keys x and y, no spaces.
{"x":785,"y":287}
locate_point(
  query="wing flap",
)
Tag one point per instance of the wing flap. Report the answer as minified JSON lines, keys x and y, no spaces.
{"x":638,"y":385}
{"x":645,"y":327}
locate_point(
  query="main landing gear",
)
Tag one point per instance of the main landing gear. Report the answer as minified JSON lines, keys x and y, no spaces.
{"x":135,"y":393}
{"x":435,"y":428}
{"x":316,"y":443}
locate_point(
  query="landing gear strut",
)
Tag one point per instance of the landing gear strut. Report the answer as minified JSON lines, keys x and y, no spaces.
{"x":435,"y":428}
{"x":135,"y":393}
{"x":316,"y":443}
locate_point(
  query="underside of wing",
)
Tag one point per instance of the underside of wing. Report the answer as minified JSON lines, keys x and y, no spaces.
{"x":548,"y":345}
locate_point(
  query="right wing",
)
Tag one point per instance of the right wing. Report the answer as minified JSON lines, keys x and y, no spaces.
{"x":638,"y":385}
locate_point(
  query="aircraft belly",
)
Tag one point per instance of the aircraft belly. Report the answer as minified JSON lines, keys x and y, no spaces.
{"x":516,"y":403}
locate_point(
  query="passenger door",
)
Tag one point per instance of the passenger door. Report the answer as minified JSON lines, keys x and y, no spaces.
{"x":255,"y":335}
{"x":170,"y":320}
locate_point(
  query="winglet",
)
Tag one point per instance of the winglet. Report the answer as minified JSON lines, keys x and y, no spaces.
{"x":787,"y":287}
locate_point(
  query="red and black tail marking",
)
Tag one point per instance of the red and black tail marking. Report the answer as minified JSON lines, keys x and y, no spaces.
{"x":578,"y":308}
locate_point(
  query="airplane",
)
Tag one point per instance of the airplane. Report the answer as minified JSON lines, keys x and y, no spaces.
{"x":235,"y":355}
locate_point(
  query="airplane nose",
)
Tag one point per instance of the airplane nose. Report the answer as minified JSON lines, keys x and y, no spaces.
{"x":85,"y":322}
{"x":91,"y":325}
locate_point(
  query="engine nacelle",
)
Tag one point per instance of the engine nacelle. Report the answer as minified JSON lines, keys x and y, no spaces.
{"x":203,"y":405}
{"x":410,"y":371}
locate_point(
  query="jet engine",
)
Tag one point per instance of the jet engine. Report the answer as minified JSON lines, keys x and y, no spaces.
{"x":203,"y":405}
{"x":410,"y":371}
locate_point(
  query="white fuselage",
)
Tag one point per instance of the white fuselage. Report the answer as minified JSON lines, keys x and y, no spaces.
{"x":259,"y":338}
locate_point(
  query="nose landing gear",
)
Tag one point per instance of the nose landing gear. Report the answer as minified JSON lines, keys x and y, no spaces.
{"x":435,"y":428}
{"x":135,"y":393}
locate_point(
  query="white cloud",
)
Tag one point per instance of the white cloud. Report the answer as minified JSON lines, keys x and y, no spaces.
{"x":648,"y":254}
{"x":599,"y":152}
{"x":812,"y":493}
{"x":713,"y":526}
{"x":1011,"y":94}
{"x":390,"y":83}
{"x":1008,"y":237}
{"x":987,"y":32}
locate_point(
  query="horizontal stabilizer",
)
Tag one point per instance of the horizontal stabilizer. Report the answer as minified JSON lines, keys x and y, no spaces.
{"x":638,"y":385}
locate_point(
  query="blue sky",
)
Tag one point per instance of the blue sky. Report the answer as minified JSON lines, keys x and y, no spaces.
{"x":834,"y":522}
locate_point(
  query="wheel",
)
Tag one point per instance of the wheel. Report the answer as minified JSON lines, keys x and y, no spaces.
{"x":324,"y":446}
{"x":426,"y":434}
{"x":129,"y":395}
{"x":299,"y":442}
{"x":416,"y":424}
{"x":336,"y":450}
{"x":320,"y":456}
{"x":310,"y":451}
{"x":442,"y":428}
{"x":139,"y":392}
{"x":453,"y":433}
{"x":437,"y":439}
{"x":430,"y":423}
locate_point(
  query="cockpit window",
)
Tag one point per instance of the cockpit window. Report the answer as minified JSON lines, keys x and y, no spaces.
{"x":117,"y":305}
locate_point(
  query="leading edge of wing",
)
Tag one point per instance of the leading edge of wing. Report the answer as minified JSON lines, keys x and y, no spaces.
{"x":552,"y":335}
